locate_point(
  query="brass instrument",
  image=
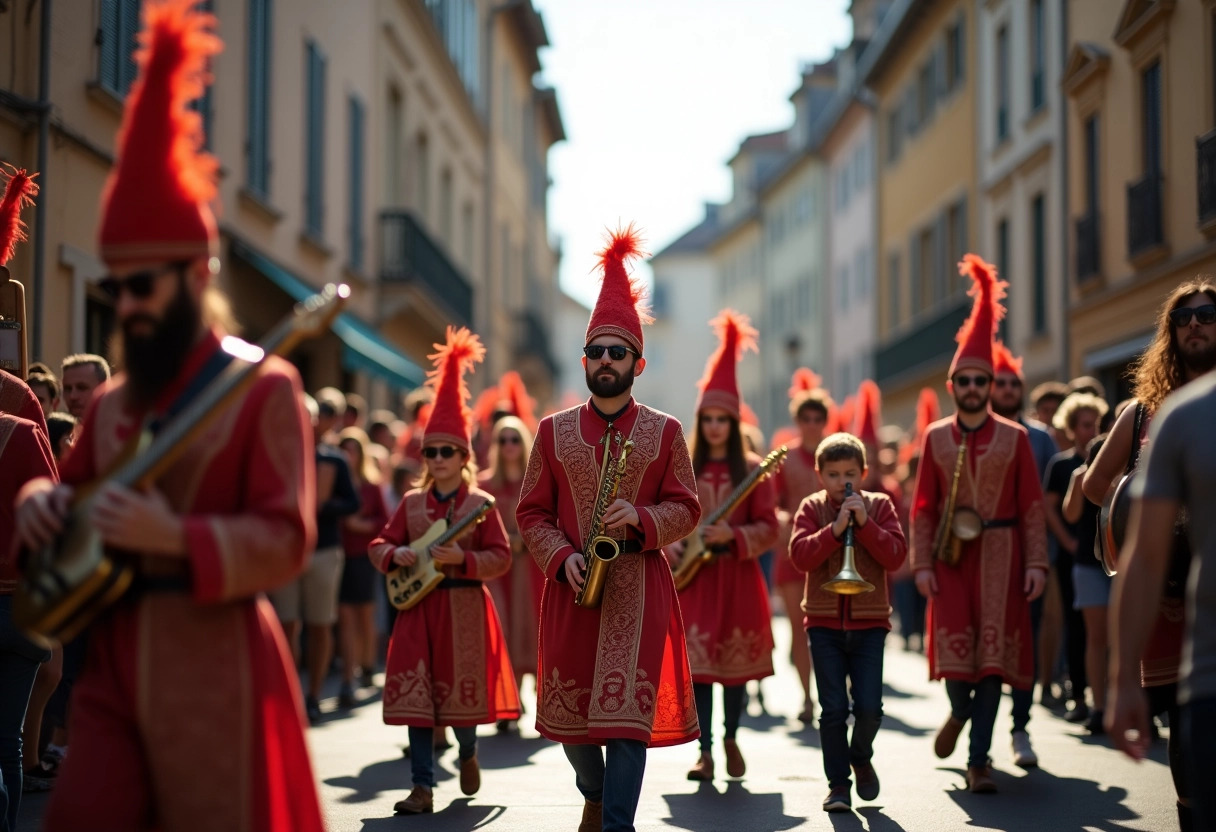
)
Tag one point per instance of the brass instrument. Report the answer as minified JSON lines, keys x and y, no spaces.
{"x":407,"y":585}
{"x":601,"y":549}
{"x":696,"y":553}
{"x":957,"y":524}
{"x":848,"y":580}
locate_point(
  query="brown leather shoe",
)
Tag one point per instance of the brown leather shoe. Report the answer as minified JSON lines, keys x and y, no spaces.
{"x":947,"y":737}
{"x":593,"y":817}
{"x":703,"y":770}
{"x":979,"y":780}
{"x":735,"y":766}
{"x":420,"y":802}
{"x":470,"y":775}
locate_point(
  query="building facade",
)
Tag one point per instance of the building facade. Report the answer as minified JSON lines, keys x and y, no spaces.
{"x":360,"y":143}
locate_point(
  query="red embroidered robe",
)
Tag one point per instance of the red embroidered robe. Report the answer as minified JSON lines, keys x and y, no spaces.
{"x":727,"y":620}
{"x":188,"y":712}
{"x":621,"y":670}
{"x":447,"y":659}
{"x":979,"y":623}
{"x":517,"y":593}
{"x":797,"y":480}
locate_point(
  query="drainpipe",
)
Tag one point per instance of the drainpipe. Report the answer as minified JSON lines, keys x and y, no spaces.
{"x":38,"y":283}
{"x":1065,"y":209}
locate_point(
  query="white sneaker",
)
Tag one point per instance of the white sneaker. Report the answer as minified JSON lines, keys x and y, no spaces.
{"x":1023,"y":754}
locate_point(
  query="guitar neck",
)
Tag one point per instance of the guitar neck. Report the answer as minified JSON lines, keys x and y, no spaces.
{"x":463,"y":524}
{"x":737,"y":496}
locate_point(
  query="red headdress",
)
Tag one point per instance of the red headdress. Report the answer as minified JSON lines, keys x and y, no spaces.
{"x":868,"y":415}
{"x":976,"y":334}
{"x":720,"y":384}
{"x":451,"y":418}
{"x":156,"y":205}
{"x":619,"y":309}
{"x":843,"y":420}
{"x":19,"y":192}
{"x":804,"y":380}
{"x":485,"y":406}
{"x":928,"y":411}
{"x":513,"y":398}
{"x":1004,"y":361}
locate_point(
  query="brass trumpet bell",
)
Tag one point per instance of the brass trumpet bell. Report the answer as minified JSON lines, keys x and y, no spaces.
{"x":848,"y":582}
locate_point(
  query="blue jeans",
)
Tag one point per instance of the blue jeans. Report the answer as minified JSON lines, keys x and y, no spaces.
{"x":616,"y":781}
{"x":979,"y":703}
{"x":1023,"y":698}
{"x":422,"y":751}
{"x":19,"y":660}
{"x":847,"y":661}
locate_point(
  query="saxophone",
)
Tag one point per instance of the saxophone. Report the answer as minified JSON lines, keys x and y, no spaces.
{"x":601,"y":549}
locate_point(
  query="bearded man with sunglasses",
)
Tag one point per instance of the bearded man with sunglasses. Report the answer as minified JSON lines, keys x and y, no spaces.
{"x":615,"y":675}
{"x":978,"y":622}
{"x":187,"y":714}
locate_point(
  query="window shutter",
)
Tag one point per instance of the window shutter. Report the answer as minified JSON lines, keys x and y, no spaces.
{"x":107,"y":33}
{"x":258,"y":138}
{"x":914,"y":271}
{"x":356,"y":184}
{"x":941,"y":258}
{"x":315,"y":136}
{"x":128,"y":28}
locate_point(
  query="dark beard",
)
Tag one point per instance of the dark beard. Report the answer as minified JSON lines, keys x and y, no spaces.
{"x":1201,"y":361}
{"x":608,"y":389}
{"x":1013,"y":412}
{"x":152,"y":362}
{"x":970,"y":408}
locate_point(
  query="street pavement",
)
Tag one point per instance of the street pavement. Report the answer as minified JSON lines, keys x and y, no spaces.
{"x":528,"y":785}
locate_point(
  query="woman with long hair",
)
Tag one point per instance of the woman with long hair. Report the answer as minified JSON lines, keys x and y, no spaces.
{"x":727,"y":620}
{"x":517,"y":593}
{"x":360,"y":581}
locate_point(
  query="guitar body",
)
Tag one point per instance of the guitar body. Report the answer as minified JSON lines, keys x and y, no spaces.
{"x":1112,"y":523}
{"x":408,"y":585}
{"x":695,"y":556}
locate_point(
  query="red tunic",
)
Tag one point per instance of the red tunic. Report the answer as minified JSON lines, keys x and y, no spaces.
{"x":726,"y":616}
{"x":17,"y":399}
{"x":797,"y":480}
{"x":979,"y":623}
{"x":188,"y":712}
{"x":25,"y":454}
{"x":621,"y":670}
{"x":517,"y":593}
{"x":447,"y":659}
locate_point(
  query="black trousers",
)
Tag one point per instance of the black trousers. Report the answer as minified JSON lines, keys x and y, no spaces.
{"x":1074,"y":628}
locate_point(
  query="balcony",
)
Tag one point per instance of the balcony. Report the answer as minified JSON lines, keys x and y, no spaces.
{"x":1205,"y":149}
{"x":532,"y":339}
{"x":1144,"y":228}
{"x":410,"y":257}
{"x":1088,"y":261}
{"x":931,"y":340}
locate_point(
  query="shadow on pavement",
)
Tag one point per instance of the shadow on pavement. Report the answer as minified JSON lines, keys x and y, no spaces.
{"x":508,"y":750}
{"x":374,"y":780}
{"x":735,"y":808}
{"x":806,"y":735}
{"x":894,"y":723}
{"x":876,"y":821}
{"x":459,"y":816}
{"x":889,"y":692}
{"x":1041,"y":799}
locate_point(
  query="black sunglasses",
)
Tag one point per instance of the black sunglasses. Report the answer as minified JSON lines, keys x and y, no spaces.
{"x":445,"y":451}
{"x":616,"y":352}
{"x":1205,"y":314}
{"x":509,"y":440}
{"x":138,"y":284}
{"x":707,"y":419}
{"x":1008,"y":382}
{"x":971,"y":381}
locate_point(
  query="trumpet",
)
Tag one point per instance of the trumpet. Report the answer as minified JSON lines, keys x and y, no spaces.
{"x":848,"y":580}
{"x":602,"y":549}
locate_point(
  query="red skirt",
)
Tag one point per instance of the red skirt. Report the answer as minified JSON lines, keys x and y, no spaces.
{"x":727,"y":622}
{"x":517,"y":597}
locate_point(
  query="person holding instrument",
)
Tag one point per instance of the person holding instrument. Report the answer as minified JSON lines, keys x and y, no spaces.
{"x":847,"y":629}
{"x":447,"y":659}
{"x":726,"y":614}
{"x":979,"y":543}
{"x":615,"y":674}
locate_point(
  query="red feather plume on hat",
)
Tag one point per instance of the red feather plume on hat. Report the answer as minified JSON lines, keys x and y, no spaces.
{"x":623,"y":245}
{"x":513,"y":392}
{"x":484,"y":407}
{"x":451,"y":417}
{"x":620,"y":309}
{"x":844,"y":415}
{"x":19,"y":192}
{"x":928,"y":411}
{"x":804,"y":380}
{"x":1004,"y":361}
{"x":975,"y":336}
{"x":868,"y":414}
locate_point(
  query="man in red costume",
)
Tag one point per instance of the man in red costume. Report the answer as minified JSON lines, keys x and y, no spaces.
{"x":979,"y":609}
{"x":187,"y":714}
{"x":616,"y":675}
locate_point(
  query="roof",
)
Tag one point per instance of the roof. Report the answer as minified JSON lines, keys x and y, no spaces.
{"x":898,"y":21}
{"x":775,"y":142}
{"x":696,"y":239}
{"x":546,"y":100}
{"x":531,"y":28}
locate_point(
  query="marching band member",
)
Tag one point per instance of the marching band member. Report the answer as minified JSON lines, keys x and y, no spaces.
{"x":615,"y":674}
{"x":447,"y":659}
{"x":727,"y":620}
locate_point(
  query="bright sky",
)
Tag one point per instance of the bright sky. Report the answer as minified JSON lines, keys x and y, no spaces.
{"x":656,"y":96}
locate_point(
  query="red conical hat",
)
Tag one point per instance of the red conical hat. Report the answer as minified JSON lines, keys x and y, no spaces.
{"x":928,"y":411}
{"x":619,"y":309}
{"x":976,"y":334}
{"x":513,"y":397}
{"x":19,"y":192}
{"x":720,"y":384}
{"x":451,"y":418}
{"x":1004,"y":361}
{"x":868,"y":415}
{"x":804,"y":380}
{"x":156,"y":205}
{"x":844,"y":416}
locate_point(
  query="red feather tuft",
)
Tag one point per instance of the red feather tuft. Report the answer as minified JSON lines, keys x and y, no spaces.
{"x":484,"y":407}
{"x":734,"y":329}
{"x":804,"y":380}
{"x":511,"y":389}
{"x":928,"y":411}
{"x":621,"y":246}
{"x":868,"y":413}
{"x":1004,"y":361}
{"x":987,"y":290}
{"x":844,"y":414}
{"x":424,"y":416}
{"x":19,"y":193}
{"x":451,"y":361}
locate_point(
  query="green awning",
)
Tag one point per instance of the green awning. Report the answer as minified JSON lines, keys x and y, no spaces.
{"x":363,"y":349}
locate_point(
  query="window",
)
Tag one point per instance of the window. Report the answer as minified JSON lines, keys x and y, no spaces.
{"x":314,"y":141}
{"x":1038,"y":52}
{"x":956,"y":243}
{"x":927,"y":277}
{"x":355,"y":185}
{"x":894,"y":133}
{"x":911,"y":114}
{"x":422,"y":177}
{"x":1002,"y":84}
{"x":118,"y":26}
{"x":99,"y":321}
{"x":257,"y":140}
{"x":861,"y":276}
{"x":925,"y":92}
{"x":1002,"y":265}
{"x":1150,"y":103}
{"x":394,"y":122}
{"x":468,"y":233}
{"x":1038,"y":263}
{"x":203,"y":104}
{"x":1091,"y":164}
{"x":955,"y":57}
{"x":842,"y":280}
{"x":893,"y":286}
{"x":445,"y":207}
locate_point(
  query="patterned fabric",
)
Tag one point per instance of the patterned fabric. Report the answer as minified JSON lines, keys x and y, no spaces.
{"x":979,"y":623}
{"x":517,"y":594}
{"x":619,"y":671}
{"x":25,"y":454}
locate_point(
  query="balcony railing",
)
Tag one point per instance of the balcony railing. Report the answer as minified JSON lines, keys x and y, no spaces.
{"x":1205,"y":149}
{"x":409,"y":255}
{"x":931,"y":340}
{"x":533,"y":339}
{"x":1144,"y":214}
{"x":1088,"y":246}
